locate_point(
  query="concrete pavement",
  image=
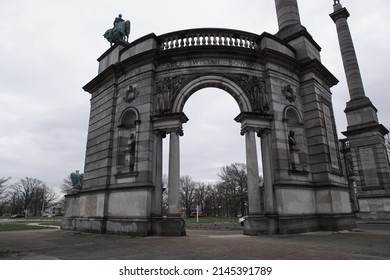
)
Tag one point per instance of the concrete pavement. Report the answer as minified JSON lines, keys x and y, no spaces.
{"x":46,"y":244}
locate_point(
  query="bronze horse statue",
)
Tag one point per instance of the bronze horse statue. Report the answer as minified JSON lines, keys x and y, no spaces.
{"x":120,"y":32}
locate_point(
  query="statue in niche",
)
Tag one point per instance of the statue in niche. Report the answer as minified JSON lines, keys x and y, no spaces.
{"x":131,"y":143}
{"x":294,"y":152}
{"x":292,"y":142}
{"x":77,"y":179}
{"x":120,"y":31}
{"x":130,"y":152}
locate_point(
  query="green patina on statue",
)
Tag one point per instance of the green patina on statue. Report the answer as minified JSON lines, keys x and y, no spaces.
{"x":77,"y":179}
{"x":120,"y":31}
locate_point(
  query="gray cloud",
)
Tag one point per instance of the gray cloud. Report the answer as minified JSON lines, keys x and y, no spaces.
{"x":49,"y":51}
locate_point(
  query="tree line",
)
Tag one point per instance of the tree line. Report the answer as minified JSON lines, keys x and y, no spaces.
{"x":29,"y":196}
{"x":228,"y":197}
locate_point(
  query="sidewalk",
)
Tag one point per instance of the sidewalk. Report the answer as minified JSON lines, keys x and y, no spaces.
{"x":47,"y":244}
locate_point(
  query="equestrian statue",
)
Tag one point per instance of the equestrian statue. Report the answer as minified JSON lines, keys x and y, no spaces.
{"x":120,"y":31}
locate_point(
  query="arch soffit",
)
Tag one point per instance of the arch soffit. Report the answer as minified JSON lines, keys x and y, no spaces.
{"x":215,"y":81}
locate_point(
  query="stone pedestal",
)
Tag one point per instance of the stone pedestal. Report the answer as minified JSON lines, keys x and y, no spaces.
{"x":168,"y":226}
{"x":260,"y":225}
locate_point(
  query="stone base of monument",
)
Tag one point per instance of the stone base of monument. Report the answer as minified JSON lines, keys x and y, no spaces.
{"x":94,"y":225}
{"x":260,"y":224}
{"x":168,"y":226}
{"x":110,"y":226}
{"x":290,"y":224}
{"x":337,"y":222}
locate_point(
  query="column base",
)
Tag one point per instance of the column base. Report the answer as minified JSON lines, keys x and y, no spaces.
{"x":168,"y":226}
{"x":260,"y":225}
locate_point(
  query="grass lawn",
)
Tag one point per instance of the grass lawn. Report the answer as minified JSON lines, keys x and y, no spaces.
{"x":18,"y":226}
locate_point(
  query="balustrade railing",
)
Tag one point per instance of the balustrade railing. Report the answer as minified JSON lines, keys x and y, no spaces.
{"x":208,"y":37}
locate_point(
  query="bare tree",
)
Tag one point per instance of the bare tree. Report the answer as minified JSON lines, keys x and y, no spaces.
{"x":3,"y":189}
{"x":3,"y":186}
{"x":387,"y":144}
{"x":66,"y":185}
{"x":187,"y":194}
{"x":32,"y":195}
{"x":235,"y":188}
{"x":164,"y":194}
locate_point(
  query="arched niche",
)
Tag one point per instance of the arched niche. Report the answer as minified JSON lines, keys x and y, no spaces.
{"x":127,"y":141}
{"x":294,"y":126}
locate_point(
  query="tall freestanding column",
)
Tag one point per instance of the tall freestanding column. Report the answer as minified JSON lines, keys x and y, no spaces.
{"x":267,"y":172}
{"x":157,"y":174}
{"x":365,"y":134}
{"x":252,"y":174}
{"x":174,"y":174}
{"x":351,"y":66}
{"x":287,"y":13}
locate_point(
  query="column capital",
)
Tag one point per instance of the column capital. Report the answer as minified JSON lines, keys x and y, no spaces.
{"x":169,"y":123}
{"x":339,"y":13}
{"x":160,"y":132}
{"x":264,"y":132}
{"x":247,"y":129}
{"x":178,"y":130}
{"x":253,"y":122}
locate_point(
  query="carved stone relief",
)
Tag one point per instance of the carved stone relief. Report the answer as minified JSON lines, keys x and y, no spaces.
{"x":255,"y":90}
{"x":289,"y":94}
{"x":168,"y":88}
{"x":166,"y":92}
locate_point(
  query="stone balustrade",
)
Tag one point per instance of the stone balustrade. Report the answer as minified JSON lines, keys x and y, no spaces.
{"x":208,"y":37}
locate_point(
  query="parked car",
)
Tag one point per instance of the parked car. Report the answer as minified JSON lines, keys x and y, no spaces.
{"x":17,"y":216}
{"x":200,"y":214}
{"x":242,"y":219}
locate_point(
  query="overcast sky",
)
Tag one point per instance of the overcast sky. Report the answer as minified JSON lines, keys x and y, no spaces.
{"x":48,"y":52}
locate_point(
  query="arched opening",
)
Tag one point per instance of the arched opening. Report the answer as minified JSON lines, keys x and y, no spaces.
{"x":211,"y":139}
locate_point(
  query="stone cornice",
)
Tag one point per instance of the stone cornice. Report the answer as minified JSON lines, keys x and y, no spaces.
{"x":370,"y":127}
{"x":314,"y":65}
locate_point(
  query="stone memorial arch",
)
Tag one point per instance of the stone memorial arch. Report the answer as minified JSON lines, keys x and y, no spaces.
{"x":283,"y":92}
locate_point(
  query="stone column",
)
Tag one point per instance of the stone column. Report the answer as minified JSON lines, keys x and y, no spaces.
{"x":157,"y":179}
{"x":287,"y":13}
{"x":254,"y":199}
{"x":267,"y":171}
{"x":174,"y":173}
{"x":351,"y":67}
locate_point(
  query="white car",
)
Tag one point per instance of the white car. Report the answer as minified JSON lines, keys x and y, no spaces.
{"x":242,"y":220}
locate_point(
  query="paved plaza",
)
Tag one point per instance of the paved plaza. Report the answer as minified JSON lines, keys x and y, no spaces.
{"x":368,"y":241}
